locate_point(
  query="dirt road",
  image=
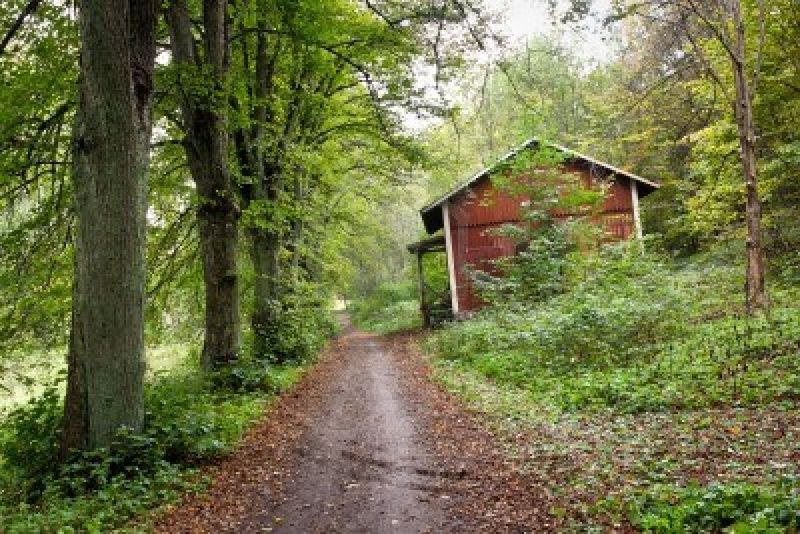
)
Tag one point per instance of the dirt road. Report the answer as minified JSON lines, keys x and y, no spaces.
{"x":366,"y":443}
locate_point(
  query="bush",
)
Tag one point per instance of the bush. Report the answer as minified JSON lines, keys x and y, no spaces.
{"x":111,"y":506}
{"x":390,"y":308}
{"x":29,"y":441}
{"x":546,"y":244}
{"x":302,"y":323}
{"x":246,"y":376}
{"x":130,"y":457}
{"x":619,"y":308}
{"x":189,"y":423}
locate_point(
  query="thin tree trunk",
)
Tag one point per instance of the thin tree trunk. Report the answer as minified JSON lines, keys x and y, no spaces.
{"x":111,"y":159}
{"x":755,"y":279}
{"x":296,"y":248}
{"x":296,"y":237}
{"x":206,"y":146}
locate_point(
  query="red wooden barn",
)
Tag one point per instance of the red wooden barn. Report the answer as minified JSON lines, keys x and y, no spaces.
{"x":469,"y":212}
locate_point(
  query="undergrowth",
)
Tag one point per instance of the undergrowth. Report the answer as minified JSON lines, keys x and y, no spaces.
{"x":636,"y":334}
{"x":390,"y":308}
{"x":718,"y":508}
{"x":190,"y":420}
{"x":649,"y":353}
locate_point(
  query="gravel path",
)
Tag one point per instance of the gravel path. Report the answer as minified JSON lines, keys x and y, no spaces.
{"x":363,"y":467}
{"x":365,"y":443}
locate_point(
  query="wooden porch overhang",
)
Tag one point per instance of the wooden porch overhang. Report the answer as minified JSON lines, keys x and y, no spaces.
{"x":432,"y":244}
{"x":419,"y":249}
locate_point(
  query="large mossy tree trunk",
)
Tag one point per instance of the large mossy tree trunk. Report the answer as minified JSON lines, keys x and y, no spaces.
{"x":263,"y":172}
{"x":201,"y":80}
{"x":111,"y":147}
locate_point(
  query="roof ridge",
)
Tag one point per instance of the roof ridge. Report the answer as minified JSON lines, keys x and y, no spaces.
{"x":528,"y":144}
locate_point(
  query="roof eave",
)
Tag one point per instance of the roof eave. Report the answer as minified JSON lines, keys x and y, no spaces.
{"x":426,"y":211}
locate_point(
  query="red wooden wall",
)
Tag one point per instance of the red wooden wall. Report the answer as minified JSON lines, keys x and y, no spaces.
{"x":482,"y":208}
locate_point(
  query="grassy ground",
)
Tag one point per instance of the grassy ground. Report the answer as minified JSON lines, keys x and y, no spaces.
{"x":604,"y":464}
{"x":644,"y":397}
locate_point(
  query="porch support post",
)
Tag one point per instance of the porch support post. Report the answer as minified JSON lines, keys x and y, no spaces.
{"x":423,"y":306}
{"x":451,"y":265}
{"x":637,"y":220}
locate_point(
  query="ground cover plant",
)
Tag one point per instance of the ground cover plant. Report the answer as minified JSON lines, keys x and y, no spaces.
{"x":191,"y":419}
{"x":646,"y":389}
{"x":738,"y":507}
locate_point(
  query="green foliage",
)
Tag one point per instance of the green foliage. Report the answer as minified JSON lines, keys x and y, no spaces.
{"x":544,"y":242}
{"x":250,"y":375}
{"x":109,"y":508}
{"x":390,"y":308}
{"x":301,"y":324}
{"x":645,"y":371}
{"x":37,"y":82}
{"x":29,"y":445}
{"x":187,"y":422}
{"x":536,"y":273}
{"x":618,"y":306}
{"x":437,"y":278}
{"x":634,"y":333}
{"x":736,"y":508}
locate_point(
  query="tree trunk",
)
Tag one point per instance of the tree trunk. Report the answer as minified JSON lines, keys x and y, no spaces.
{"x":260,"y":248}
{"x":295,"y":248}
{"x":206,"y":146}
{"x":265,"y":256}
{"x":296,"y":237}
{"x":755,"y":279}
{"x":263,"y":188}
{"x":111,"y":158}
{"x":219,"y":242}
{"x":266,"y":244}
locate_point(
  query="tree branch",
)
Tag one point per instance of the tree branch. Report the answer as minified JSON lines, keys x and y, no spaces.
{"x":29,"y":9}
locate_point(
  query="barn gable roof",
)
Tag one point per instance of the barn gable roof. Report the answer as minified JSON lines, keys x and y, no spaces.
{"x":432,"y":213}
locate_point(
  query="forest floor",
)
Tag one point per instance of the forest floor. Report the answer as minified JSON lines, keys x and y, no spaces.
{"x":367,"y":442}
